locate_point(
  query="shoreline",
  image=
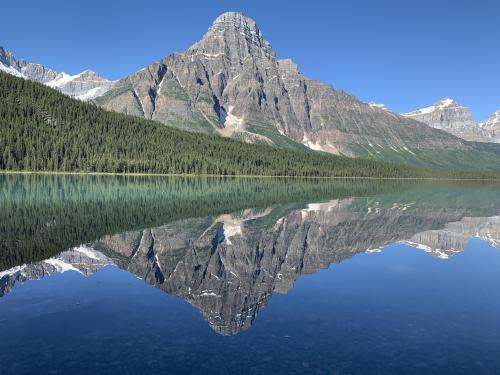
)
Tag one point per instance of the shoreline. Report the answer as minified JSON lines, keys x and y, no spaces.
{"x":110,"y":174}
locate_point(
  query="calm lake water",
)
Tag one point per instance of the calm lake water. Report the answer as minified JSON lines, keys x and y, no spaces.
{"x":147,"y":275}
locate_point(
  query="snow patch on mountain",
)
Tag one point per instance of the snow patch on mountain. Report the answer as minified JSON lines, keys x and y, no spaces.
{"x":493,"y":120}
{"x":378,"y":105}
{"x":10,"y":70}
{"x":445,"y":103}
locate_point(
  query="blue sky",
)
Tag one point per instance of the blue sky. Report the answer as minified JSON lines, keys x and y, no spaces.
{"x":406,"y":54}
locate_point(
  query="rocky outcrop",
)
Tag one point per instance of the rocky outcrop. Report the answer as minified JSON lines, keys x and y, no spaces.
{"x":455,"y":119}
{"x":232,"y":83}
{"x":85,"y":86}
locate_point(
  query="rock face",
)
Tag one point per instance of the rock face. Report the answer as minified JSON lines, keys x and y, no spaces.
{"x":491,"y":126}
{"x":24,"y":69}
{"x":231,"y":82}
{"x":455,"y":119}
{"x":85,"y":86}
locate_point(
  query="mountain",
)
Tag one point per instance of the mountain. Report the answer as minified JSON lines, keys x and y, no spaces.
{"x":492,"y":126}
{"x":232,"y":83}
{"x":84,"y":86}
{"x":42,"y":129}
{"x":455,"y":119}
{"x":24,"y":69}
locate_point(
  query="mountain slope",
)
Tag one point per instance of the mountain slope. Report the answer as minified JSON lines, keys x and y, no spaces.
{"x":85,"y":85}
{"x":449,"y":116}
{"x":41,"y":129}
{"x":232,"y":83}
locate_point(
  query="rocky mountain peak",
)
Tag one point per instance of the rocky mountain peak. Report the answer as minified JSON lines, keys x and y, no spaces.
{"x":234,"y":35}
{"x":7,"y":57}
{"x":443,"y":104}
{"x":491,"y":126}
{"x":234,"y":19}
{"x":88,"y":75}
{"x":450,"y":116}
{"x":493,"y":120}
{"x":447,"y":101}
{"x":231,"y":83}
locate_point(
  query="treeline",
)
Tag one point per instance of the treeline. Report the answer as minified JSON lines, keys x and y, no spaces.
{"x":42,"y":215}
{"x":44,"y":130}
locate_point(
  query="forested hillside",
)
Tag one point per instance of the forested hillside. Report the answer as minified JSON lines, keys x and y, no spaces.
{"x":44,"y":130}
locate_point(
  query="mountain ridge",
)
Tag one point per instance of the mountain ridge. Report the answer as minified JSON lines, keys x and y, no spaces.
{"x":85,"y":85}
{"x":450,"y":116}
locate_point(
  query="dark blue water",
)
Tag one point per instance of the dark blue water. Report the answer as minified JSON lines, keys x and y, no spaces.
{"x":288,"y":288}
{"x":398,"y":311}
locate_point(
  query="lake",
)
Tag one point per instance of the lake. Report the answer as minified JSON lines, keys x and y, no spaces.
{"x":179,"y":275}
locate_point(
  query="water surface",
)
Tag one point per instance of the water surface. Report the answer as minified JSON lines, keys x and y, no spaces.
{"x":137,"y":275}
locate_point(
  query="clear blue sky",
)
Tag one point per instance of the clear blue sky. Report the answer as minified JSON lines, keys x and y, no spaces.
{"x":406,"y":54}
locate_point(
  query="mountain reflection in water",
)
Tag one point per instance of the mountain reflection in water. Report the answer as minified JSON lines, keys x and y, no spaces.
{"x":228,"y":265}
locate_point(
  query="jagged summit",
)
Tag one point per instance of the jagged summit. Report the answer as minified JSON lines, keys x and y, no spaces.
{"x":233,"y":35}
{"x":235,"y":19}
{"x":493,"y":120}
{"x":450,"y":116}
{"x":447,"y":102}
{"x":440,"y":105}
{"x":492,"y":126}
{"x":7,"y":57}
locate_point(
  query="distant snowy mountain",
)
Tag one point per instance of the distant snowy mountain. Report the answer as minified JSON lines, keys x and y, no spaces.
{"x":492,"y":125}
{"x":453,"y":118}
{"x":85,"y":85}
